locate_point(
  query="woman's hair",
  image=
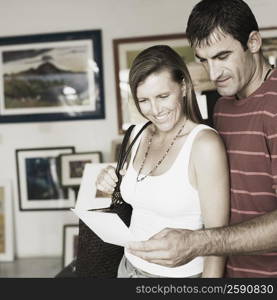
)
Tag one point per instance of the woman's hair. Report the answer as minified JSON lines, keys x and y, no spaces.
{"x":233,"y":17}
{"x":156,"y":59}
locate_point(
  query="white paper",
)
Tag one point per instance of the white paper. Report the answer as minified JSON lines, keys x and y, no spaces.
{"x":86,"y":195}
{"x":108,"y":226}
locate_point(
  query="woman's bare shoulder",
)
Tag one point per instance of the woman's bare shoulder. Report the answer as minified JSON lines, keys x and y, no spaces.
{"x":207,"y":143}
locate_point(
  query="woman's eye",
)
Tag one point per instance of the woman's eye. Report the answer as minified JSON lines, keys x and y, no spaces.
{"x":142,"y":100}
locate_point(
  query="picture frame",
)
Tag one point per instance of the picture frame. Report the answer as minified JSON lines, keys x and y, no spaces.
{"x":115,"y":149}
{"x":39,"y":186}
{"x":6,"y":221}
{"x":269,"y":46}
{"x":72,"y":166}
{"x":51,"y":77}
{"x":70,"y":243}
{"x":126,"y":49}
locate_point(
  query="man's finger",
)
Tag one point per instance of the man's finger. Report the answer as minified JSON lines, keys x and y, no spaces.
{"x":150,"y":245}
{"x":151,"y":256}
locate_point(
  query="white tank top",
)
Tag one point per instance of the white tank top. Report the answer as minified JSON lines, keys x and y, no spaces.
{"x":164,"y":201}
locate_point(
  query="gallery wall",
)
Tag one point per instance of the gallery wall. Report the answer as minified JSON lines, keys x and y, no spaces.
{"x":39,"y":233}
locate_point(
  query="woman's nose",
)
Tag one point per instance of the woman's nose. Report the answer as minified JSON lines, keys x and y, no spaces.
{"x":155,"y":107}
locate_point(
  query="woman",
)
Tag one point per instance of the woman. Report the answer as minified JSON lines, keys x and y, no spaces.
{"x":177,"y":176}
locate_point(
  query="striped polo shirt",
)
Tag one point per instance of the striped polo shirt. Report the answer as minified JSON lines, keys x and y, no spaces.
{"x":249,"y":130}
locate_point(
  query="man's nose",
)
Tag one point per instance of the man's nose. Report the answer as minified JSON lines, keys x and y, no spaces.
{"x":214,"y":71}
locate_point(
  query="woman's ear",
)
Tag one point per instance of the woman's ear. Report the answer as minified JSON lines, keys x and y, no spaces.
{"x":254,"y":43}
{"x":184,"y":88}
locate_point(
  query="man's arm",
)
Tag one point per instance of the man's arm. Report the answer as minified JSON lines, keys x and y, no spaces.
{"x":174,"y":247}
{"x":254,"y":236}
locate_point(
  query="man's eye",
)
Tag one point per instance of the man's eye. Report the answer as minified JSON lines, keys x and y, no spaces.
{"x":164,"y":96}
{"x":222,"y":57}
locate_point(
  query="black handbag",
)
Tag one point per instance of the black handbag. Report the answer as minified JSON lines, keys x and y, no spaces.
{"x":95,"y":258}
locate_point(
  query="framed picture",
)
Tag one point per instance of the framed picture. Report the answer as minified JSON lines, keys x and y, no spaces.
{"x":72,"y":166}
{"x":126,"y":49}
{"x":116,"y":144}
{"x":51,"y":77}
{"x":39,"y":186}
{"x":269,"y":36}
{"x":70,"y":243}
{"x":6,"y":222}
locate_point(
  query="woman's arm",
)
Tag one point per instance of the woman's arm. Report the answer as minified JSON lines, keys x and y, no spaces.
{"x":209,"y":162}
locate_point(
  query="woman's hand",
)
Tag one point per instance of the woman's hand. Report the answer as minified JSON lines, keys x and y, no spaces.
{"x":106,"y":180}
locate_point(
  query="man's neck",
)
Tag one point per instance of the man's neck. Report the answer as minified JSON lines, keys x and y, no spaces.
{"x":261,"y":73}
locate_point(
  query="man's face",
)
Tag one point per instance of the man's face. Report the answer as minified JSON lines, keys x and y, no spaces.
{"x":228,"y":64}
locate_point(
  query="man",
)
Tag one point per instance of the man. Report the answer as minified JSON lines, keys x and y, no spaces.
{"x":226,"y":39}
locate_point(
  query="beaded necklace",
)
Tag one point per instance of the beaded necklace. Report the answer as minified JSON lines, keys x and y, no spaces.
{"x":142,"y":177}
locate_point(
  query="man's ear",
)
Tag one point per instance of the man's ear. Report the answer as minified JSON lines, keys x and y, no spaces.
{"x":254,"y":42}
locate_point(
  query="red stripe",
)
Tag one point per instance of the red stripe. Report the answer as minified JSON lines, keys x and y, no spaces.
{"x":243,"y":132}
{"x":267,"y":93}
{"x":262,"y":112}
{"x":253,"y":194}
{"x":248,"y":153}
{"x":272,"y":136}
{"x":247,"y":212}
{"x":251,"y":270}
{"x":252,"y":173}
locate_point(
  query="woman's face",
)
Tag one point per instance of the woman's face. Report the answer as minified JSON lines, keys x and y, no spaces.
{"x":160,"y":100}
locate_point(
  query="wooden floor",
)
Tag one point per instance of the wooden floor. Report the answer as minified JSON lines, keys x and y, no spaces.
{"x":36,"y":267}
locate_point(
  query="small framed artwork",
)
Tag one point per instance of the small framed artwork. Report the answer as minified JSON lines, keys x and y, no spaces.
{"x":269,"y":46}
{"x":126,"y":49}
{"x":116,"y":144}
{"x":6,"y":222}
{"x":51,"y":77}
{"x":39,"y":186}
{"x":70,"y":243}
{"x":72,"y":166}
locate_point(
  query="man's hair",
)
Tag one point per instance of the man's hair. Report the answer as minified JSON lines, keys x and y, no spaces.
{"x":156,"y":59}
{"x":232,"y":17}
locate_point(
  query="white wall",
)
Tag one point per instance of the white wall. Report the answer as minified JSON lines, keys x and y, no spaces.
{"x":40,"y":233}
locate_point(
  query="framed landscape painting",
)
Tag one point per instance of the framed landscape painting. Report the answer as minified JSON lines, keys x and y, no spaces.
{"x":6,"y":221}
{"x":51,"y":77}
{"x":39,"y":185}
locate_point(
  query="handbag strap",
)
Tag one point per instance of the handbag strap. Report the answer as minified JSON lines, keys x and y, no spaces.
{"x":123,"y":154}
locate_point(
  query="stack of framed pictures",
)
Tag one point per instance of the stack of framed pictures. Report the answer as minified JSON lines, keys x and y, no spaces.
{"x":39,"y":184}
{"x":47,"y":176}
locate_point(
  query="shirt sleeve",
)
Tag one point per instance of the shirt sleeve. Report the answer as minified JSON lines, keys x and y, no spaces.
{"x":270,"y":129}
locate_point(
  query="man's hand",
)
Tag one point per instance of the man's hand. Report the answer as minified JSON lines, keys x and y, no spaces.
{"x":170,"y":248}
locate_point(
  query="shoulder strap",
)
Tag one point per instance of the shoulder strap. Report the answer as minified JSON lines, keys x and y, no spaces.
{"x":123,"y":154}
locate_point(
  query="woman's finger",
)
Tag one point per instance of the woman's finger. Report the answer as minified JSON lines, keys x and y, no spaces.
{"x":111,"y":171}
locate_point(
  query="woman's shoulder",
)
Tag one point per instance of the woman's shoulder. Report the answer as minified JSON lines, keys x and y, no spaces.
{"x":207,"y":141}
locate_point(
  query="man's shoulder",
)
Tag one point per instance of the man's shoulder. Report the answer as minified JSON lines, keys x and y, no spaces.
{"x":222,"y":102}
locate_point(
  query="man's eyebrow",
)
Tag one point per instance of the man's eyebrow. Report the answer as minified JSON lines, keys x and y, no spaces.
{"x":216,"y":55}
